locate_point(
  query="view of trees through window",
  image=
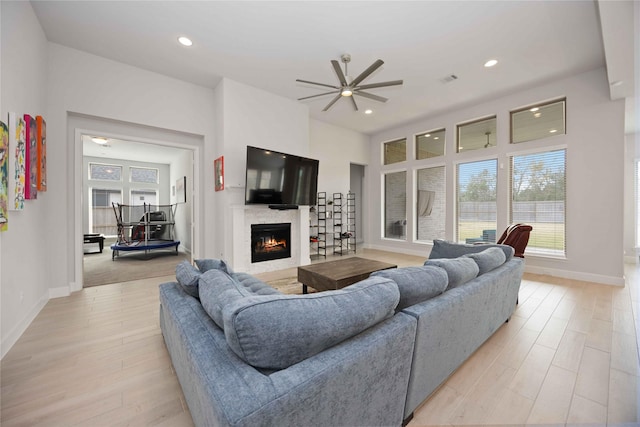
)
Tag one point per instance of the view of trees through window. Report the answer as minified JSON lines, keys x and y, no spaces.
{"x":538,"y":192}
{"x":477,"y":207}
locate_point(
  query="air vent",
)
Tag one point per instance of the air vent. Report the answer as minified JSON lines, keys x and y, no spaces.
{"x":449,"y":78}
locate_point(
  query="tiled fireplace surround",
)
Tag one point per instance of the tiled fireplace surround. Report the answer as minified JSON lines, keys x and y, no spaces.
{"x":245,"y":215}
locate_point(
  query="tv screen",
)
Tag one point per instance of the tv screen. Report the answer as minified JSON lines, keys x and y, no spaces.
{"x":275,"y":178}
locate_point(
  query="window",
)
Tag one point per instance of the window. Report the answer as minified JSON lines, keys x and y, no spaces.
{"x":430,"y":208}
{"x":102,"y":218}
{"x":138,"y":197}
{"x":430,"y":144}
{"x":538,"y":121}
{"x":395,"y":151}
{"x":538,"y":191}
{"x":395,"y":205}
{"x":143,"y":175}
{"x":105,"y":172}
{"x":477,"y":135}
{"x":476,"y":201}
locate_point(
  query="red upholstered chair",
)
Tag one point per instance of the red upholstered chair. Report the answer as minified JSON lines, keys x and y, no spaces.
{"x":516,"y":236}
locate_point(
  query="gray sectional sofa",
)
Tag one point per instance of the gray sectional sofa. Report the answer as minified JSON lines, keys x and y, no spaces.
{"x":368,"y":354}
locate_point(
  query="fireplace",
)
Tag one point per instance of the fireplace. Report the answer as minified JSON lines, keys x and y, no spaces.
{"x":270,"y":241}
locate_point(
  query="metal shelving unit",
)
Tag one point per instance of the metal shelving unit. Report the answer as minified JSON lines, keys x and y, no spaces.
{"x":318,"y":229}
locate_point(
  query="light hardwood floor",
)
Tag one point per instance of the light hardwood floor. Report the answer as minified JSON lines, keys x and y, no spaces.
{"x":569,"y":355}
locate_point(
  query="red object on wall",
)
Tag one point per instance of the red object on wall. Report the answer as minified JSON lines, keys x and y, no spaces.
{"x":41,"y":141}
{"x":31,"y":161}
{"x":218,"y":167}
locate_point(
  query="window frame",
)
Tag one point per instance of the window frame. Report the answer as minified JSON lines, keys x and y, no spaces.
{"x":538,"y":105}
{"x":540,"y":150}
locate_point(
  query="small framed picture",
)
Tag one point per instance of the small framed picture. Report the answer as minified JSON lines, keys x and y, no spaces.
{"x":218,"y":168}
{"x":181,"y":193}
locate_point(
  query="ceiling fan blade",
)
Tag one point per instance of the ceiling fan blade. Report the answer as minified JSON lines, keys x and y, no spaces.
{"x":367,"y":72}
{"x":355,"y":106}
{"x":333,"y":101}
{"x":370,"y":96}
{"x":318,"y":84}
{"x":381,"y":84}
{"x":338,"y":70}
{"x":320,"y":94}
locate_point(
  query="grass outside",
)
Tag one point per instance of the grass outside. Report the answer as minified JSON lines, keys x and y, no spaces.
{"x":543,"y":236}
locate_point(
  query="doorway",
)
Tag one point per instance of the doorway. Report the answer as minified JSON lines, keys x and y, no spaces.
{"x":134,"y":145}
{"x":357,"y":186}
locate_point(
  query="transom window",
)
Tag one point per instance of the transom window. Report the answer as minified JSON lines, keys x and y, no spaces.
{"x":477,"y":135}
{"x":105,"y":172}
{"x":538,"y":121}
{"x":430,"y":144}
{"x":395,"y":151}
{"x":143,"y":175}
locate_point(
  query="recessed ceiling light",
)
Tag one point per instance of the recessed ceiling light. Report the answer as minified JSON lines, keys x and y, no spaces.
{"x":490,"y":63}
{"x":100,"y":140}
{"x":185,"y":41}
{"x":427,"y":135}
{"x":536,"y":115}
{"x":534,"y":109}
{"x":553,"y":131}
{"x":436,"y":137}
{"x":368,"y":111}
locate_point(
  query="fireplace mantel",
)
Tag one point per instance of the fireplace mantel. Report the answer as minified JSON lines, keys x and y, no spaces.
{"x":245,"y":215}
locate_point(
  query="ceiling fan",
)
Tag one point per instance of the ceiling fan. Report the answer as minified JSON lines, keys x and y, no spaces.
{"x":349,"y":87}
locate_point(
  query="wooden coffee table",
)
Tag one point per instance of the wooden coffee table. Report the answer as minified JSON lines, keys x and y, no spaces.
{"x":332,"y":275}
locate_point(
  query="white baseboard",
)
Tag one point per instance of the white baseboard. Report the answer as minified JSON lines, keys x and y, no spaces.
{"x":60,"y":292}
{"x":576,"y":275}
{"x":13,"y":336}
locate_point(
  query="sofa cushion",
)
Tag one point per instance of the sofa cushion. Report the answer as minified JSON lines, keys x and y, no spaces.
{"x":253,"y":285}
{"x":459,"y":270}
{"x":277,"y":331}
{"x":488,"y":259}
{"x":187,"y":276}
{"x":445,"y":249}
{"x":217,"y":289}
{"x":210,"y":264}
{"x":416,"y":284}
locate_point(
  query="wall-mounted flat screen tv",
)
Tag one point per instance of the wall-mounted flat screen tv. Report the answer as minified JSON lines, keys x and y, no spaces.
{"x":275,"y":178}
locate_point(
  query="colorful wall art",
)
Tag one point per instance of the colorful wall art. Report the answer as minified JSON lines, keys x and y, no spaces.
{"x":17,"y":159}
{"x":31,"y":138}
{"x":218,"y":168}
{"x":41,"y":141}
{"x":4,"y":175}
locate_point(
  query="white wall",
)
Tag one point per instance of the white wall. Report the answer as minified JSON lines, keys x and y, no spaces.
{"x":250,"y":116}
{"x":25,"y":252}
{"x":595,"y":156}
{"x":68,"y":86}
{"x":183,"y":166}
{"x":337,"y":148}
{"x":92,"y":86}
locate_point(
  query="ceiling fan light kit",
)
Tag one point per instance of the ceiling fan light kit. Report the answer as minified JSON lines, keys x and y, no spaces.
{"x":349,"y":87}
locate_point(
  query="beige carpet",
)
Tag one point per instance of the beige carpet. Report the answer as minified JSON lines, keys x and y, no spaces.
{"x":99,"y":269}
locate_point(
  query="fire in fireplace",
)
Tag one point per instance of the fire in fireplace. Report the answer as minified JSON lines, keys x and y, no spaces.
{"x":270,"y":241}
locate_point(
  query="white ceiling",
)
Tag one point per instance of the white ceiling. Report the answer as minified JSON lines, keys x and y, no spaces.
{"x":269,"y":44}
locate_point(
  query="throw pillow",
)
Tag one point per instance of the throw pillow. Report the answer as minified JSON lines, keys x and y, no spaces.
{"x":488,"y":259}
{"x":416,"y":284}
{"x":187,"y":276}
{"x":210,"y":264}
{"x":277,"y":331}
{"x":445,"y":249}
{"x":459,"y":270}
{"x":217,"y":289}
